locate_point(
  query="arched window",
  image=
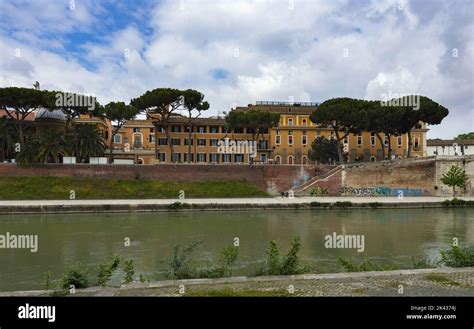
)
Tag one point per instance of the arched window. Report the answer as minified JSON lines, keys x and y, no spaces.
{"x":278,"y":159}
{"x":291,"y":160}
{"x":304,"y":159}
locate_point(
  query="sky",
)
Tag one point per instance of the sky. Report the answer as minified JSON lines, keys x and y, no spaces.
{"x":237,"y":52}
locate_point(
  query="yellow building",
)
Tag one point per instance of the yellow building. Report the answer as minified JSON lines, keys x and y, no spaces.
{"x":145,"y":141}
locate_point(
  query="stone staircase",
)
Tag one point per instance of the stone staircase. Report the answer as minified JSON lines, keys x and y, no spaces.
{"x":303,"y":189}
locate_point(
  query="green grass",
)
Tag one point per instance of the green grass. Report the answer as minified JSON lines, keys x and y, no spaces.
{"x":226,"y":292}
{"x":441,"y":279}
{"x":58,"y":188}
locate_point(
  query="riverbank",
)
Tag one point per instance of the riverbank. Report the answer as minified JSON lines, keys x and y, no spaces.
{"x":223,"y":204}
{"x":86,"y":188}
{"x":421,"y":282}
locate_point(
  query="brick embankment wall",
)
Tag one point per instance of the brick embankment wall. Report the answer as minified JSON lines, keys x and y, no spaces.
{"x":272,"y":178}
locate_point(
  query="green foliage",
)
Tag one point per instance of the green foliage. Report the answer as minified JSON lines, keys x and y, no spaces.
{"x":48,"y":146}
{"x":458,"y":256}
{"x":315,"y":204}
{"x":422,"y":262}
{"x":366,"y":266}
{"x":318,"y":191}
{"x":177,"y":205}
{"x":227,"y":257}
{"x":342,"y":204}
{"x":8,"y":138}
{"x":129,"y":270}
{"x":47,"y":280}
{"x":323,"y":150}
{"x":180,"y":263}
{"x":90,"y":142}
{"x":455,"y":202}
{"x":455,"y":177}
{"x":57,"y":188}
{"x":375,"y":204}
{"x":465,"y":136}
{"x":106,"y":269}
{"x":283,"y":265}
{"x":75,"y":275}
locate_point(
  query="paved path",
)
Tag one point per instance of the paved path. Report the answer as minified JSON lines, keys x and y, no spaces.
{"x":424,"y":282}
{"x":256,"y":201}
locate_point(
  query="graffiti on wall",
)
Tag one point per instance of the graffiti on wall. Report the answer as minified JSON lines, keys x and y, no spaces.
{"x":380,"y":191}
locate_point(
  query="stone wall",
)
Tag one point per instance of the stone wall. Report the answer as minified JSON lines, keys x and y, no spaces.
{"x":409,"y":177}
{"x":272,"y":178}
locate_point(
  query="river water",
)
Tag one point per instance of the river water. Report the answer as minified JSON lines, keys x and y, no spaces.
{"x":391,"y":236}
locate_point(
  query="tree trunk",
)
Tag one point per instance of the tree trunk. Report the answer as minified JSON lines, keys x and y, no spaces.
{"x":170,"y":143}
{"x":409,"y":144}
{"x":111,"y":149}
{"x":339,"y":146}
{"x":389,"y":147}
{"x":381,"y":143}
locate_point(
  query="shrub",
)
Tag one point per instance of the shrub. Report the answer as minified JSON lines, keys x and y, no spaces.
{"x":318,"y":191}
{"x":129,"y":270}
{"x":227,"y":257}
{"x":342,"y":204}
{"x":458,"y":257}
{"x":75,"y":275}
{"x":278,"y":265}
{"x":315,"y":204}
{"x":180,"y":262}
{"x":366,"y":266}
{"x":106,"y":269}
{"x":422,"y":262}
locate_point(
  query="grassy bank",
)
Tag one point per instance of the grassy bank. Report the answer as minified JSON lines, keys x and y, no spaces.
{"x":58,"y":188}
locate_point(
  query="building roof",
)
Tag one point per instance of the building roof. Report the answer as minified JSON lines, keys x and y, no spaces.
{"x":449,"y":142}
{"x":29,"y":117}
{"x":281,"y":107}
{"x":45,"y":114}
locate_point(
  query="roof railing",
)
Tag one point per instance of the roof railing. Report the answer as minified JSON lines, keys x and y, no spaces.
{"x":278,"y":103}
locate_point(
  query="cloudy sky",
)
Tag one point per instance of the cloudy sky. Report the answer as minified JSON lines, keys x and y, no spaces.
{"x":240,"y":51}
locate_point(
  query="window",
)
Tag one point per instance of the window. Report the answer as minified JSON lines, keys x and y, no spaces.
{"x":239,"y":158}
{"x":175,"y":141}
{"x":162,"y":141}
{"x":151,"y":139}
{"x":304,"y":159}
{"x":238,"y":130}
{"x":226,"y":158}
{"x":278,"y":159}
{"x":304,"y":122}
{"x":176,"y":129}
{"x":214,"y":157}
{"x":187,"y":141}
{"x":291,"y":160}
{"x":201,"y":142}
{"x":416,"y":143}
{"x":176,"y":157}
{"x":399,"y":141}
{"x":385,"y":140}
{"x":372,"y":139}
{"x":125,"y":140}
{"x":304,"y":139}
{"x":373,"y":159}
{"x":290,"y":121}
{"x":201,"y":157}
{"x":162,"y":157}
{"x":277,"y":139}
{"x":214,"y":130}
{"x":118,"y":139}
{"x":214,"y":141}
{"x":201,"y":129}
{"x":359,"y":139}
{"x":290,"y":139}
{"x":136,"y":130}
{"x":160,"y":129}
{"x":190,"y":156}
{"x":152,"y":130}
